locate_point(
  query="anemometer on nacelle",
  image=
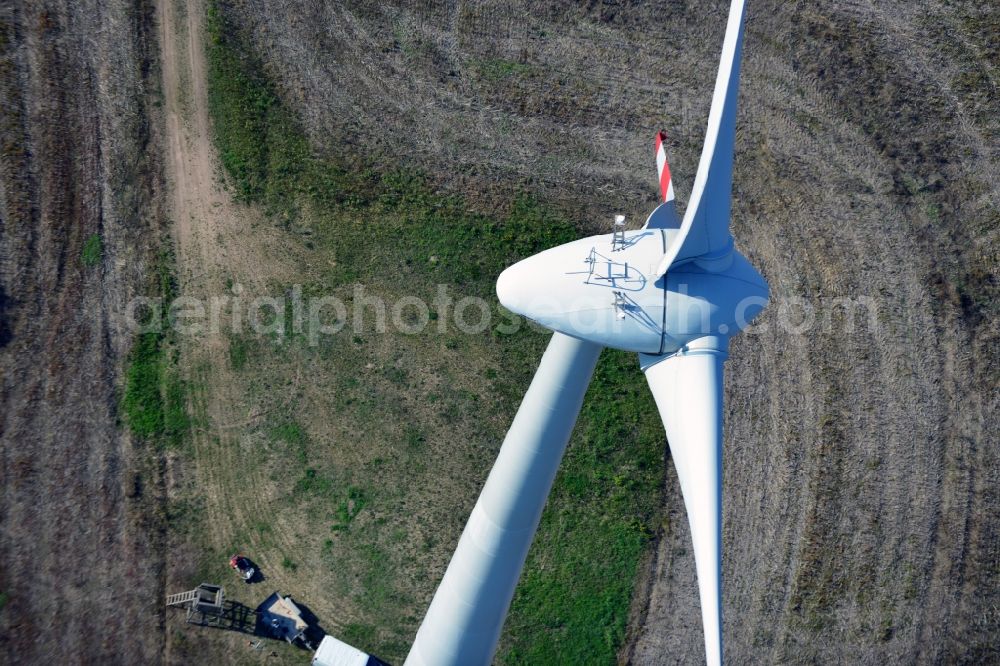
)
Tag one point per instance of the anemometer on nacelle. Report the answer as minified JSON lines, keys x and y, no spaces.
{"x":618,"y":233}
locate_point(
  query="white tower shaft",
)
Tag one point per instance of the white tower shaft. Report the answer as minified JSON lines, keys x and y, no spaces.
{"x":467,"y":613}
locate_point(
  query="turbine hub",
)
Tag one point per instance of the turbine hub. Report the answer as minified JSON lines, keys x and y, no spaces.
{"x":604,"y":289}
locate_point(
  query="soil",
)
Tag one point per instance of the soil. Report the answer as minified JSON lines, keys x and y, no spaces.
{"x":861,"y":466}
{"x":81,"y":501}
{"x":861,"y":486}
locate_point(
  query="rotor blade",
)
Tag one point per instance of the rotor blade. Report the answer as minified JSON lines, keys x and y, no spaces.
{"x":705,"y":229}
{"x":463,"y":623}
{"x":687,"y":387}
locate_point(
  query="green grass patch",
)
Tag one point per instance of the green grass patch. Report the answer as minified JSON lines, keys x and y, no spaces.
{"x":293,"y":436}
{"x":143,"y":401}
{"x":572,"y":604}
{"x":314,"y":483}
{"x":93,"y":250}
{"x":240,"y":349}
{"x":498,"y":69}
{"x":154,"y":402}
{"x":176,"y":420}
{"x":358,"y":633}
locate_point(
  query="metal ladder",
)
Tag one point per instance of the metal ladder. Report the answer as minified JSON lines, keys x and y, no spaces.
{"x":181,"y":598}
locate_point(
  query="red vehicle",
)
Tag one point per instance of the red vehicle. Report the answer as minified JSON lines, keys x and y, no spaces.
{"x":243,"y":566}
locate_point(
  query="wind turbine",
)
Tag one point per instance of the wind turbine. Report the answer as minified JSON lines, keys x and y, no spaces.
{"x":674,"y":292}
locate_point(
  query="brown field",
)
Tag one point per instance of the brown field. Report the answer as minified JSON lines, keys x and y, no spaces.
{"x":862,"y":475}
{"x":81,"y":501}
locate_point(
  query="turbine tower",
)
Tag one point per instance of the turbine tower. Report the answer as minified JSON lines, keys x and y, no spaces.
{"x":675,"y":292}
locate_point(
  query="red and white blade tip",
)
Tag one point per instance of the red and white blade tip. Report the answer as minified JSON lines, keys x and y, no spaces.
{"x":663,"y":168}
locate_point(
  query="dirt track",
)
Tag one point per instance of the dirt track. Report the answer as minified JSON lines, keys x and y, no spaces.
{"x":219,"y":244}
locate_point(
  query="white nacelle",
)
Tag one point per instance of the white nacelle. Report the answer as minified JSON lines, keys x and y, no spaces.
{"x":607,"y":292}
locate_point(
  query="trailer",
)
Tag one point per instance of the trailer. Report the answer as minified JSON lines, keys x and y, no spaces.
{"x":333,"y":652}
